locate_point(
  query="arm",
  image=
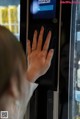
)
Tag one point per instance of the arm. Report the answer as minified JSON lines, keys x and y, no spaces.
{"x":39,"y":60}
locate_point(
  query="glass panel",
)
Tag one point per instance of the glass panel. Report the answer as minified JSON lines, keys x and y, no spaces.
{"x":10,"y":15}
{"x":74,"y":77}
{"x":77,"y":90}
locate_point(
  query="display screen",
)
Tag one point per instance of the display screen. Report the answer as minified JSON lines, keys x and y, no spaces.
{"x":43,"y":9}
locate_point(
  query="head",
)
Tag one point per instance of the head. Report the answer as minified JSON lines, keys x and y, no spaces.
{"x":12,"y":61}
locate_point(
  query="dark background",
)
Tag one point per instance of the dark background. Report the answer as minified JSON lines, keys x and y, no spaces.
{"x":64,"y":61}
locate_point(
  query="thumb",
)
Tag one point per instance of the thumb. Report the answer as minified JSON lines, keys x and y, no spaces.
{"x":49,"y":57}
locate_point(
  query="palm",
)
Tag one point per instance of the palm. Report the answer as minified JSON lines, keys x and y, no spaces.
{"x":37,"y":61}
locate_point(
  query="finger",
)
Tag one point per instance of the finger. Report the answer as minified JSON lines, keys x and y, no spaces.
{"x":34,"y":44}
{"x":39,"y":46}
{"x":49,"y":57}
{"x":28,"y":47}
{"x":47,"y":42}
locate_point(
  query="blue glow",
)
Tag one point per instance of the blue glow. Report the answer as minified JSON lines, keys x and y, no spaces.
{"x":46,"y":8}
{"x":77,"y":96}
{"x":34,"y":7}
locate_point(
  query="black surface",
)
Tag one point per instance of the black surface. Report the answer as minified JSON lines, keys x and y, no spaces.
{"x":49,"y":80}
{"x":23,"y":23}
{"x":41,"y":104}
{"x":64,"y":61}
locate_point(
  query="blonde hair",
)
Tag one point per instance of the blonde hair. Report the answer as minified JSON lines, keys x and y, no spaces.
{"x":10,"y":50}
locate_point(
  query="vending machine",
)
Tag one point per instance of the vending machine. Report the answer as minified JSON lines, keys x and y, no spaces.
{"x":74,"y":65}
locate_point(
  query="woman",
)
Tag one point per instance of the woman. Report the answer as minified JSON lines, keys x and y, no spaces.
{"x":17,"y":79}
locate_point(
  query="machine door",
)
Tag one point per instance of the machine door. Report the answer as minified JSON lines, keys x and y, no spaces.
{"x":74,"y":71}
{"x":46,"y":13}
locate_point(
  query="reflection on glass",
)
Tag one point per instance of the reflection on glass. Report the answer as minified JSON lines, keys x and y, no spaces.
{"x":10,"y":15}
{"x":74,"y":112}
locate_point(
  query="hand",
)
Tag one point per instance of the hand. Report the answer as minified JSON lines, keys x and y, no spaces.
{"x":39,"y":59}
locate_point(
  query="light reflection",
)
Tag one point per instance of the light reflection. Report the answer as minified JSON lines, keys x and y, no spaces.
{"x":34,"y":7}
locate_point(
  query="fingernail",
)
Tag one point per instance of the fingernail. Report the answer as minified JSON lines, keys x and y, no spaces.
{"x":52,"y":50}
{"x":42,"y":28}
{"x":35,"y":31}
{"x":28,"y":41}
{"x":50,"y":32}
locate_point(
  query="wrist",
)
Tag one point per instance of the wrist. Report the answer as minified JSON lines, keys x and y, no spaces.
{"x":31,"y":75}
